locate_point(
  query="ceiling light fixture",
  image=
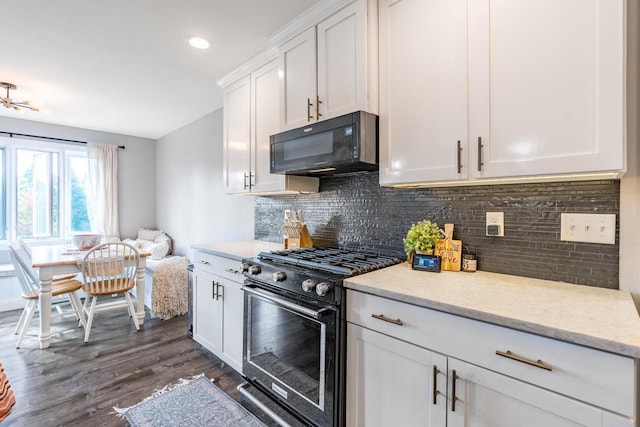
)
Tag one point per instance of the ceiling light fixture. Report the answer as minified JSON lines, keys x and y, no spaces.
{"x":10,"y":103}
{"x":198,"y":42}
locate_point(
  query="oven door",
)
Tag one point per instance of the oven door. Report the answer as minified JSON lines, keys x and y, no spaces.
{"x":290,"y":351}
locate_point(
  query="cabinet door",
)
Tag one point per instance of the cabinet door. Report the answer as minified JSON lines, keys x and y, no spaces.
{"x":207,"y":313}
{"x":298,"y":84}
{"x":423,"y":90}
{"x":546,"y":86}
{"x":237,"y":136}
{"x":232,"y":299}
{"x":391,"y":381}
{"x":265,"y":120}
{"x":342,"y":55}
{"x":486,"y":399}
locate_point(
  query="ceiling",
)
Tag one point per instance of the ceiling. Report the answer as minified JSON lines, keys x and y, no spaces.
{"x":124,"y":66}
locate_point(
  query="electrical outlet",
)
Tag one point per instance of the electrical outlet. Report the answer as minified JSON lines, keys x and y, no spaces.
{"x":589,"y":228}
{"x":495,"y":224}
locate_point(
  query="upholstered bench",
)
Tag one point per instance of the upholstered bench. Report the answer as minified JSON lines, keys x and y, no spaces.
{"x":166,"y":277}
{"x":160,"y":245}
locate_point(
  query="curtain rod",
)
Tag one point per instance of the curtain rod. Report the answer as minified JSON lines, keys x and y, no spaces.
{"x":48,"y":138}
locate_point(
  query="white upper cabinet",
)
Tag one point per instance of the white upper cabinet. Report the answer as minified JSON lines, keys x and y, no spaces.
{"x":546,"y":86}
{"x":237,"y":135}
{"x":423,"y":90}
{"x":530,"y":88}
{"x":298,"y":87}
{"x":250,"y":117}
{"x":331,"y":68}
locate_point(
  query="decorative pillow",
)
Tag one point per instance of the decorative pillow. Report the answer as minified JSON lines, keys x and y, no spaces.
{"x":131,"y":242}
{"x":148,"y":234}
{"x":163,"y":238}
{"x":158,"y":250}
{"x":143,"y":244}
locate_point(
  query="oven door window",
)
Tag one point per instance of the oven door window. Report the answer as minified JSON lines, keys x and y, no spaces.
{"x":291,"y":347}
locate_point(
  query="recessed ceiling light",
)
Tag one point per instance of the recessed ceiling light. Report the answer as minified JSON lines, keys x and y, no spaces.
{"x":198,"y":42}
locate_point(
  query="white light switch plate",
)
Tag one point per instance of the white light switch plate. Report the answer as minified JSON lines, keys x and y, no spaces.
{"x":589,"y":228}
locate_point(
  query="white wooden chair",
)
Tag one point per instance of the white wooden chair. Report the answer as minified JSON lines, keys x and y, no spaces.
{"x":31,"y":291}
{"x":109,"y":269}
{"x":27,"y":258}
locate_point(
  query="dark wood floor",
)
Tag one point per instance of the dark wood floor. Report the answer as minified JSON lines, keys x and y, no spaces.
{"x":76,"y":384}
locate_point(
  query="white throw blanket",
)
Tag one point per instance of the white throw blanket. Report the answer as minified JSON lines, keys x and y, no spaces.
{"x":170,"y":293}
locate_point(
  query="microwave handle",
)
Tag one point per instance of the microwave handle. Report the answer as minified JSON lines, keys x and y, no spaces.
{"x":316,"y":314}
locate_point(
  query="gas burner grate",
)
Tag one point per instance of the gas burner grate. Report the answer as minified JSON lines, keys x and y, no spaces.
{"x":339,"y":261}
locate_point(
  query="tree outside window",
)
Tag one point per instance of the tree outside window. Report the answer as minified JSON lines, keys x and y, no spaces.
{"x":42,"y":196}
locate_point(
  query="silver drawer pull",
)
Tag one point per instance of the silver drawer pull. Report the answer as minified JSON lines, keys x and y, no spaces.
{"x":204,"y":262}
{"x":232,"y":271}
{"x":537,"y":363}
{"x":386,"y":319}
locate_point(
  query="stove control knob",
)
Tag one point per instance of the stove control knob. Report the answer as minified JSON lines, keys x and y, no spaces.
{"x":279,"y":276}
{"x":254,"y":269}
{"x":309,"y":285}
{"x":245,"y":266}
{"x":323,"y":288}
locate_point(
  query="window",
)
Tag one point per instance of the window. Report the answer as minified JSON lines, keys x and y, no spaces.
{"x":46,"y":192}
{"x":78,"y":189}
{"x":38,"y":185}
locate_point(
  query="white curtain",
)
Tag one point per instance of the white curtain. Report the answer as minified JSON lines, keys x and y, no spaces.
{"x":103,"y":197}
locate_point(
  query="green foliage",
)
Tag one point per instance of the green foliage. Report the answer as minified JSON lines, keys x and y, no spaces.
{"x":422,"y":237}
{"x":79,"y":211}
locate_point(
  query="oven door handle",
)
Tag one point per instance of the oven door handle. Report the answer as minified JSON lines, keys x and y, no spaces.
{"x":316,"y":314}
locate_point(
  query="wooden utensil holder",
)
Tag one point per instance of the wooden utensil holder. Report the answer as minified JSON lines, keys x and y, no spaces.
{"x":297,"y":237}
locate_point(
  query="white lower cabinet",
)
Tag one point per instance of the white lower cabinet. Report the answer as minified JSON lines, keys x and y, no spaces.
{"x":206,"y":310}
{"x":218,"y":307}
{"x":487,"y":399}
{"x":389,"y":380}
{"x":422,"y":367}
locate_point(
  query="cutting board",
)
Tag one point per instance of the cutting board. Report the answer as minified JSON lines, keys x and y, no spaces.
{"x":450,"y":250}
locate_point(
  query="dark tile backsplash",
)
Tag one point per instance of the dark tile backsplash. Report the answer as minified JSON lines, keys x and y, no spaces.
{"x":355,"y":212}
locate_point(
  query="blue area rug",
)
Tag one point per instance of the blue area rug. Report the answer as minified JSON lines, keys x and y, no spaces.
{"x":196,"y":402}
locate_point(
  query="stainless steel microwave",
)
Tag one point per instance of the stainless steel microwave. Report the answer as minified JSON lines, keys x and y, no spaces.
{"x":344,"y":144}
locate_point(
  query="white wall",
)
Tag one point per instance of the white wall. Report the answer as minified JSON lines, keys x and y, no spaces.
{"x":191,"y":204}
{"x":136,"y":168}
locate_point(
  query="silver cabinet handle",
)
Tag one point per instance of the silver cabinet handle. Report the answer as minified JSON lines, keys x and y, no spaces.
{"x":232,"y":271}
{"x":459,"y":153}
{"x":309,"y":104}
{"x":436,"y":371}
{"x":387,"y":319}
{"x":537,"y":363}
{"x":318,"y":102}
{"x":204,"y":262}
{"x":480,"y":154}
{"x":454,"y":379}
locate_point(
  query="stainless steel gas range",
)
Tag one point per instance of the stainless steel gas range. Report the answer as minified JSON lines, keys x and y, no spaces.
{"x":295,"y":330}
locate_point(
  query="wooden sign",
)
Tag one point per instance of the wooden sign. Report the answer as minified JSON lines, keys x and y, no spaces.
{"x":449,"y":250}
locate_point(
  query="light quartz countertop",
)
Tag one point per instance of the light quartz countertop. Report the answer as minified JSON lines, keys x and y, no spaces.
{"x":238,"y":250}
{"x":600,"y":318}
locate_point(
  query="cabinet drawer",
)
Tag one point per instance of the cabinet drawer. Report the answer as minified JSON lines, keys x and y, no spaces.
{"x":597,"y":377}
{"x":223,"y":267}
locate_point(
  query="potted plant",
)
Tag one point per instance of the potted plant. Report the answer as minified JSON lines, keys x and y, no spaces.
{"x":422,"y":238}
